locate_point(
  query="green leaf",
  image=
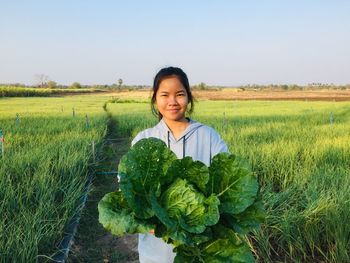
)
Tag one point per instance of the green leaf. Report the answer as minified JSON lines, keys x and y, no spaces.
{"x":186,"y":213}
{"x":226,"y":250}
{"x":233,"y":182}
{"x":190,"y":208}
{"x":116,"y":217}
{"x":246,"y":221}
{"x":142,"y":171}
{"x":225,"y":247}
{"x":194,"y":172}
{"x":182,"y":237}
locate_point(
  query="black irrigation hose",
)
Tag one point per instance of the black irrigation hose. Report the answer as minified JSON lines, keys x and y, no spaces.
{"x":117,"y":139}
{"x":108,"y":173}
{"x":71,"y":229}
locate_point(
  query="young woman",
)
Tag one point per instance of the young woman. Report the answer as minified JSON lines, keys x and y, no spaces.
{"x":171,"y":100}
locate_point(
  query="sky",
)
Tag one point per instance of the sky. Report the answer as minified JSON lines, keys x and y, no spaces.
{"x":225,"y":43}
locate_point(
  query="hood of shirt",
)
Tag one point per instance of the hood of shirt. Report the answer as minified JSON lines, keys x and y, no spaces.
{"x":190,"y":129}
{"x":171,"y":141}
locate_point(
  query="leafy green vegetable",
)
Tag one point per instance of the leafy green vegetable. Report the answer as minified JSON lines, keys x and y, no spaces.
{"x":190,"y":208}
{"x":196,"y":172}
{"x":179,"y":236}
{"x":232,"y":182}
{"x":184,"y":210}
{"x":201,"y":211}
{"x":225,"y":246}
{"x":141,"y":172}
{"x":246,"y":221}
{"x":116,"y":217}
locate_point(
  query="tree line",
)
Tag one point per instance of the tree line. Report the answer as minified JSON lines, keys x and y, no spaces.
{"x":44,"y":82}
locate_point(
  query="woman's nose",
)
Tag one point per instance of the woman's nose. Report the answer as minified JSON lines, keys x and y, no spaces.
{"x":172,"y":100}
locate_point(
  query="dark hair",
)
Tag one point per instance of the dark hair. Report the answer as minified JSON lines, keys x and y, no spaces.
{"x":166,"y":73}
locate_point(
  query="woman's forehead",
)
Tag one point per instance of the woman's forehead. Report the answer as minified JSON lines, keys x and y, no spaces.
{"x":171,"y":84}
{"x":172,"y":89}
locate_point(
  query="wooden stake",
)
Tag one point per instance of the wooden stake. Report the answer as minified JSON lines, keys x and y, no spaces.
{"x":93,"y":151}
{"x":87,"y":121}
{"x":17,"y":119}
{"x":2,"y":142}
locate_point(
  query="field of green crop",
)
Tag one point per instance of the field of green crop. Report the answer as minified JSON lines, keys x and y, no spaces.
{"x":44,"y":169}
{"x":300,"y":152}
{"x":300,"y":158}
{"x":6,"y":91}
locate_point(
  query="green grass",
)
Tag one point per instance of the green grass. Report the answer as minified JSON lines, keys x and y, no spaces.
{"x":301,"y":161}
{"x":302,"y":164}
{"x":6,"y":91}
{"x":43,"y":172}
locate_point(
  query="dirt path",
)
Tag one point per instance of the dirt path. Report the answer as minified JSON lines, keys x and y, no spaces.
{"x":238,"y":94}
{"x":92,"y":243}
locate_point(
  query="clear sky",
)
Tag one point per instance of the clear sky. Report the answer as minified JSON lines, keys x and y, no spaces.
{"x":216,"y":42}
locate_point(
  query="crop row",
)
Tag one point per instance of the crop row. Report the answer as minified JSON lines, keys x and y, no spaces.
{"x":300,"y":152}
{"x":43,"y":172}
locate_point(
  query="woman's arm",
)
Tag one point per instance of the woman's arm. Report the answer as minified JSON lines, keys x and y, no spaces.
{"x":217,"y":144}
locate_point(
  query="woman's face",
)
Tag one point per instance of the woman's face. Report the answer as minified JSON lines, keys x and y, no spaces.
{"x":172,"y":99}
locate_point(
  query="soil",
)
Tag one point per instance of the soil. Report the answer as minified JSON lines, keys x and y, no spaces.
{"x":237,"y":94}
{"x":92,"y":243}
{"x":317,"y":95}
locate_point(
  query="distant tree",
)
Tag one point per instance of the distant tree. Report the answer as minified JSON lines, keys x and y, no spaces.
{"x":202,"y":86}
{"x":51,"y":84}
{"x":75,"y":85}
{"x":120,"y":82}
{"x":285,"y":87}
{"x":41,"y":80}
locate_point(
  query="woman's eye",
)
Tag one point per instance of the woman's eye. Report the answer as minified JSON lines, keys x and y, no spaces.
{"x":180,"y":94}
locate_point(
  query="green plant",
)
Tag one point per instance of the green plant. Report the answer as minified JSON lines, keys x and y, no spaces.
{"x":201,"y":211}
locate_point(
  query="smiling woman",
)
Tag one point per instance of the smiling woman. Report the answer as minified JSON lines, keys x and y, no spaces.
{"x":171,"y":101}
